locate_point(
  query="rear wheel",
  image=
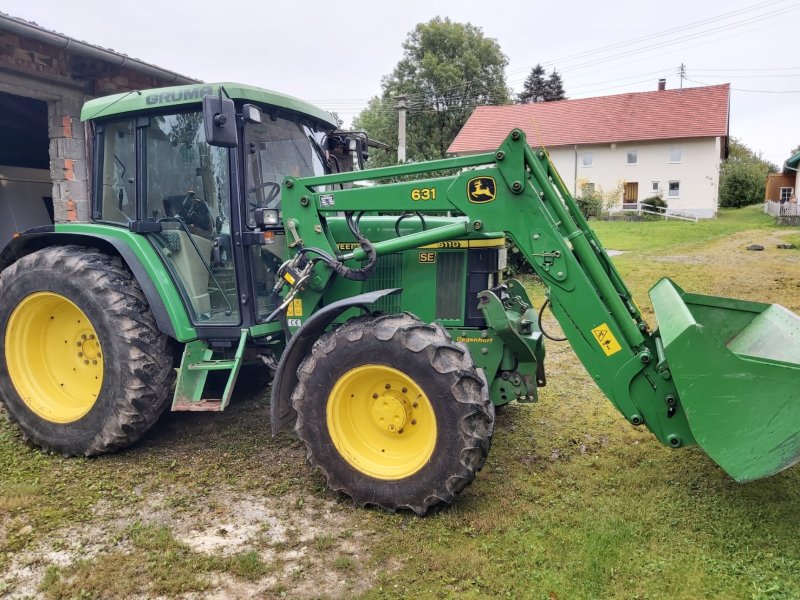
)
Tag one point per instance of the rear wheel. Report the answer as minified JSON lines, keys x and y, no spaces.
{"x":84,"y":369}
{"x":393,"y":412}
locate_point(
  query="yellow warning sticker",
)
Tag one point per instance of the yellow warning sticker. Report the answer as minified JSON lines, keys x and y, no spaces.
{"x":606,"y":339}
{"x":295,"y":308}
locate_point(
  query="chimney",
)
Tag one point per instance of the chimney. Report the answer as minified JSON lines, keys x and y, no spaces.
{"x":662,"y":85}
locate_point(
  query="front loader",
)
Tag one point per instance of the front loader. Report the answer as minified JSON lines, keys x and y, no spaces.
{"x":226,"y":243}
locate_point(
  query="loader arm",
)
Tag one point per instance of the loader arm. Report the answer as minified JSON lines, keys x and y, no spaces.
{"x":516,"y":190}
{"x":518,"y":193}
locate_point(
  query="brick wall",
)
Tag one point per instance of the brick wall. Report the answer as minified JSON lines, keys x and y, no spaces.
{"x":68,"y":161}
{"x":43,"y":71}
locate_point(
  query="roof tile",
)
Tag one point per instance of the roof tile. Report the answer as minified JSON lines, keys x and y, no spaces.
{"x":638,"y":116}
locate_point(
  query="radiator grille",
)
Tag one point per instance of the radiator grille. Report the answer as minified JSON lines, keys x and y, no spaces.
{"x":387,"y":274}
{"x":449,"y":285}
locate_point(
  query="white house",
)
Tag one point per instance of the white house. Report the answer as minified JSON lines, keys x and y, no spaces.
{"x":666,"y":142}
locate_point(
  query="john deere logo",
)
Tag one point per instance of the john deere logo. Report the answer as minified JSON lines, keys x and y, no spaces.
{"x":481,"y":190}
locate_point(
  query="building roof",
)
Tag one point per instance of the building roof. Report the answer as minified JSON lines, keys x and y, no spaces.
{"x":59,"y":40}
{"x":793,"y":161}
{"x":658,"y":115}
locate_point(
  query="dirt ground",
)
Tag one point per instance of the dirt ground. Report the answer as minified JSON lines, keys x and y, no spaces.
{"x":223,"y":489}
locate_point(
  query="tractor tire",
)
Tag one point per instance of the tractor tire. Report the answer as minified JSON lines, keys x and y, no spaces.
{"x":84,"y":369}
{"x":393,"y":412}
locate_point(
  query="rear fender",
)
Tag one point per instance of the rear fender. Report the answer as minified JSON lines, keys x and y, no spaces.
{"x":281,"y":411}
{"x":42,"y":237}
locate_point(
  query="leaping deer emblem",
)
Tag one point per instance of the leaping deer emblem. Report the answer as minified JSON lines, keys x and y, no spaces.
{"x":480,"y":191}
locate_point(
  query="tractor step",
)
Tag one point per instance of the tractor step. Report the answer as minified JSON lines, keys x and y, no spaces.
{"x":212,"y":365}
{"x":201,"y":406}
{"x":193,"y":373}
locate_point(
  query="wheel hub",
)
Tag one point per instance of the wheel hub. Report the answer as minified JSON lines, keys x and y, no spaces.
{"x":89,"y":348}
{"x":391,"y":411}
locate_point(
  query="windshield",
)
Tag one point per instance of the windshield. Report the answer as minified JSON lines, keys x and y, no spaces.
{"x":276,"y":149}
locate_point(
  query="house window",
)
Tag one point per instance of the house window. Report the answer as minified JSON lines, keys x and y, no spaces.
{"x":587,"y":189}
{"x":632,"y":157}
{"x":588,"y":159}
{"x":786,"y":193}
{"x":674,"y":190}
{"x":675,"y":155}
{"x":655,"y":186}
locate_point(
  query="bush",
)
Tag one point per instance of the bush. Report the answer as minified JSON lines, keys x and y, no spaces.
{"x":656,"y":202}
{"x":742,"y":176}
{"x":741,"y":184}
{"x":515,"y":261}
{"x":590,"y":204}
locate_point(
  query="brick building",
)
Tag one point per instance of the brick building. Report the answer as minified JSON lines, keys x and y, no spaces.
{"x":45,"y":77}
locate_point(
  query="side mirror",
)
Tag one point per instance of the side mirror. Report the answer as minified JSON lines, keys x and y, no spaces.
{"x":219,"y":117}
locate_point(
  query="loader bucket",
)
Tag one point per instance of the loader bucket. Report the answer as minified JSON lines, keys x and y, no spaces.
{"x":736,"y":366}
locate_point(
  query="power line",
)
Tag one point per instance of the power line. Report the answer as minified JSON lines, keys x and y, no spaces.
{"x":652,"y":47}
{"x":752,"y":91}
{"x":651,"y":36}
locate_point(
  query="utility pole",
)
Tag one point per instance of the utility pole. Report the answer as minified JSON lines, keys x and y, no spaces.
{"x":402,"y":109}
{"x":682,"y":73}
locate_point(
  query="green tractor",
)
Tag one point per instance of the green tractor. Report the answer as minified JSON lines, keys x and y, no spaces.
{"x":234,"y":236}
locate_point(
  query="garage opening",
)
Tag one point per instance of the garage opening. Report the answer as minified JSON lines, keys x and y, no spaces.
{"x":25,"y":188}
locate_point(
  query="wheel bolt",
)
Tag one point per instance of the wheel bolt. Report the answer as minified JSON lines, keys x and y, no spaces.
{"x":374,"y":395}
{"x":83,"y":336}
{"x":415,"y":405}
{"x":91,"y":336}
{"x":399,"y":431}
{"x":94,"y":362}
{"x":86,"y":362}
{"x":387,"y":386}
{"x":405,"y":390}
{"x":413,"y":421}
{"x":80,"y":354}
{"x":78,"y":344}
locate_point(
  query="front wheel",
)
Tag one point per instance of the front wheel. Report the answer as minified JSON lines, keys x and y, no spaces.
{"x":393,"y":412}
{"x":84,"y":369}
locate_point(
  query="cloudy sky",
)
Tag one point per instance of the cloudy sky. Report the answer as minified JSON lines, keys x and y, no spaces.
{"x":335,"y":55}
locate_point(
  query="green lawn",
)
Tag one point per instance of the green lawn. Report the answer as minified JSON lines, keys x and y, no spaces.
{"x":572,"y":503}
{"x":652,"y":236}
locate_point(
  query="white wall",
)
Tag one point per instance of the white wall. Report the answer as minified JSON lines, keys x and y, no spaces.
{"x":697,"y":171}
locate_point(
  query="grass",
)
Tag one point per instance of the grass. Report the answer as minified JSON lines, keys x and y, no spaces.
{"x":572,"y":503}
{"x":650,"y":236}
{"x":164,"y":566}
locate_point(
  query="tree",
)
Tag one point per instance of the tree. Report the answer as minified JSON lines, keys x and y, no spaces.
{"x":795,"y":151}
{"x":339,"y":120}
{"x":537,"y":88}
{"x":742,"y":177}
{"x":446,"y":71}
{"x":554,"y":88}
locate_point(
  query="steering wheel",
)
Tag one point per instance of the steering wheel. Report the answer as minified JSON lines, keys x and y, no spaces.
{"x":186,"y":209}
{"x":271,"y":195}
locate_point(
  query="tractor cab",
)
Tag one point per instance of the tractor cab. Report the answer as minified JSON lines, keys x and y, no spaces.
{"x":198,"y":171}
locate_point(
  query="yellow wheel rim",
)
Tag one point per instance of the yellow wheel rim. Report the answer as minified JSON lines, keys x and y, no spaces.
{"x":381,"y":422}
{"x":54,"y":357}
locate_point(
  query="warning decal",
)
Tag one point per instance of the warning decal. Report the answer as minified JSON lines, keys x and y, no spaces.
{"x":606,"y":339}
{"x":295,"y":308}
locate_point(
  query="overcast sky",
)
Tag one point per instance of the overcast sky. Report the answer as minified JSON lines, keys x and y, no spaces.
{"x":335,"y":56}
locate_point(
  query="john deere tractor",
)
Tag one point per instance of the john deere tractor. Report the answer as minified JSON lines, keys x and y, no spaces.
{"x":231,"y":239}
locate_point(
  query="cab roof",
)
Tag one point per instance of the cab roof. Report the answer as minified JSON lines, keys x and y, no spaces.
{"x":139,"y":100}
